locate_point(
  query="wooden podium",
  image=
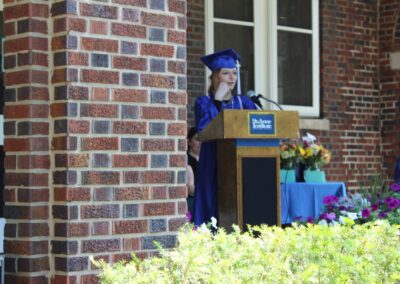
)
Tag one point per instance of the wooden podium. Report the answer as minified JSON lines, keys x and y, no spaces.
{"x":248,"y":159}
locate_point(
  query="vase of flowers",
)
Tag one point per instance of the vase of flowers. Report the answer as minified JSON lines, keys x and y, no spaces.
{"x":289,"y":159}
{"x":313,"y":156}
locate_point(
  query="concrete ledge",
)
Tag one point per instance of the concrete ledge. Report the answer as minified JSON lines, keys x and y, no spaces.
{"x":316,"y":124}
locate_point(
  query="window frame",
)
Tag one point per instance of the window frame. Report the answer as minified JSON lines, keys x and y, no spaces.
{"x":265,"y":29}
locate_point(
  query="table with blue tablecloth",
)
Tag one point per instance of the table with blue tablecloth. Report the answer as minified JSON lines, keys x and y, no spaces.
{"x":304,"y":200}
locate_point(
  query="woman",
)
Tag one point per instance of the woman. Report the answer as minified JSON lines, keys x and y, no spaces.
{"x":224,"y":66}
{"x":191,"y":170}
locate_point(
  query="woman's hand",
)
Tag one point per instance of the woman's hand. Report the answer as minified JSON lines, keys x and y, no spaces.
{"x":190,"y":180}
{"x":223,"y":92}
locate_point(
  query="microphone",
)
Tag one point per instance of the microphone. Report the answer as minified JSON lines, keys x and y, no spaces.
{"x":256,"y":99}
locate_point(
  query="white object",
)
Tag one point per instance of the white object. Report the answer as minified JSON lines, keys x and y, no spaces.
{"x":309,"y":138}
{"x":239,"y":88}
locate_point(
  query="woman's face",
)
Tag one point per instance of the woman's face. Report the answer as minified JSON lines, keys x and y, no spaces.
{"x":229,"y":76}
{"x":194,"y":145}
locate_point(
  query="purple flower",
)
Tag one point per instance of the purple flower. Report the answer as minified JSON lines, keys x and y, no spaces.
{"x":374,"y":207}
{"x":331,"y":216}
{"x":395,"y":187}
{"x":382,"y":215}
{"x":391,"y":203}
{"x":390,"y":199}
{"x":328,"y":216}
{"x":330,"y":199}
{"x":310,"y":219}
{"x":366,"y":213}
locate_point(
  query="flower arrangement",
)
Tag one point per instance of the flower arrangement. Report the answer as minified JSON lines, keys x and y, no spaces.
{"x":313,"y":155}
{"x":363,"y":208}
{"x":289,"y":155}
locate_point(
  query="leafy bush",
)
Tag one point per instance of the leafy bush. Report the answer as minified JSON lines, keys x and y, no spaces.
{"x":368,"y":253}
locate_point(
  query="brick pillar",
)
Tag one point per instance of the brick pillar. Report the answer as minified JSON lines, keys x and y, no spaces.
{"x":95,"y":134}
{"x":27,"y":141}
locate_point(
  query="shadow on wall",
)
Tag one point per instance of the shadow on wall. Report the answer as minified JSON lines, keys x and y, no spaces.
{"x":397,"y":171}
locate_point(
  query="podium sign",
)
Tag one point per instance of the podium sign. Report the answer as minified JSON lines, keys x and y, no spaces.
{"x":261,"y":124}
{"x":248,"y":159}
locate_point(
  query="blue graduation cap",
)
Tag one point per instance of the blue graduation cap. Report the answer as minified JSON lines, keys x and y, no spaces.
{"x":227,"y":58}
{"x":222,"y":59}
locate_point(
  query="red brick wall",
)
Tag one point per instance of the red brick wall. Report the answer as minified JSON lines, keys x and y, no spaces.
{"x":350,"y":89}
{"x":389,"y":39}
{"x":95,"y":134}
{"x":195,"y":49}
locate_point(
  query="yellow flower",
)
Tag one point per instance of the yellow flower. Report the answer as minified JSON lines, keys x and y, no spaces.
{"x":326,"y":158}
{"x":301,"y":150}
{"x":309,"y":152}
{"x":346,"y":221}
{"x":315,"y":156}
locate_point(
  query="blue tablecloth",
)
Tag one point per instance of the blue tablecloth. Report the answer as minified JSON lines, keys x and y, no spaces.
{"x":305,"y":199}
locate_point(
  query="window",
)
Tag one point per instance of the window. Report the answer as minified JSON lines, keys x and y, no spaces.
{"x":278,"y":43}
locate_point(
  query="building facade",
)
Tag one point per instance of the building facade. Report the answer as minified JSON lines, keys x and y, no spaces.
{"x":359,"y":90}
{"x":99,"y":94}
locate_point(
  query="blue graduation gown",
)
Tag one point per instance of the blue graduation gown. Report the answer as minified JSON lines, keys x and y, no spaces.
{"x":205,"y":196}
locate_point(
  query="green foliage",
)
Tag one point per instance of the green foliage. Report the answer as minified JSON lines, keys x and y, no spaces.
{"x":375,"y":186}
{"x":368,"y":253}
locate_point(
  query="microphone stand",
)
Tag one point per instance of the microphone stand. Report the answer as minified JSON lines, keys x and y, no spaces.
{"x":270,"y":101}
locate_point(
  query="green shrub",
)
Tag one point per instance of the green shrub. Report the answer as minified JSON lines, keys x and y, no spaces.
{"x":368,"y":253}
